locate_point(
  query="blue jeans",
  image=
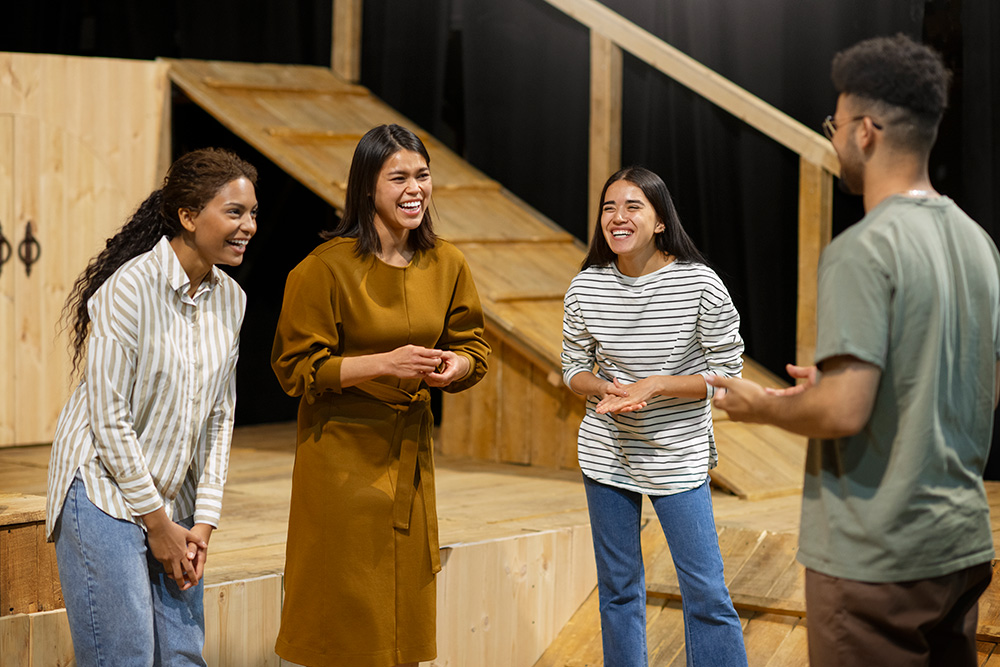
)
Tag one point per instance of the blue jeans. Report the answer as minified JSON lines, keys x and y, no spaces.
{"x":122,"y":608}
{"x":713,"y":635}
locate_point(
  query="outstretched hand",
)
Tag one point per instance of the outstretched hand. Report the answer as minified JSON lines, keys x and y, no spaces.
{"x":807,"y":373}
{"x":738,"y":397}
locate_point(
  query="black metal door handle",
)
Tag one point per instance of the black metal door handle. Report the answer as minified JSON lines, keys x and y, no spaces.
{"x":5,"y":249}
{"x":29,"y":250}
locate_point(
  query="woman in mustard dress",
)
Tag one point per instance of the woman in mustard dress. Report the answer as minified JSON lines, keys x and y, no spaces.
{"x":370,"y":319}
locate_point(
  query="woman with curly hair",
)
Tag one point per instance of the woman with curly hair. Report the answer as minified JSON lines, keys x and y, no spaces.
{"x":141,"y":449}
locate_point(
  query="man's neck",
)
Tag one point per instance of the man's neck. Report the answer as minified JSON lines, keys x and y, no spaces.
{"x":900,"y":176}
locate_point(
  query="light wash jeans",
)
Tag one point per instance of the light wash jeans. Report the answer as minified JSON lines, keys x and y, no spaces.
{"x":123,"y":610}
{"x":713,"y":636}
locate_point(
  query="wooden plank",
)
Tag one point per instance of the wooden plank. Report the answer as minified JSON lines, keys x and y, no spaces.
{"x":8,"y":255}
{"x":15,"y":640}
{"x":984,"y":651}
{"x":605,"y":119}
{"x":688,"y":72}
{"x":518,"y":419}
{"x":241,"y":622}
{"x":345,"y":59}
{"x":793,"y":650}
{"x":664,"y":631}
{"x":51,"y":643}
{"x":815,"y":229}
{"x":579,"y":643}
{"x":989,"y":610}
{"x":764,"y":634}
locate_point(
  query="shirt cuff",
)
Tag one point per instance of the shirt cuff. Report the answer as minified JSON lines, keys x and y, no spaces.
{"x":328,"y":376}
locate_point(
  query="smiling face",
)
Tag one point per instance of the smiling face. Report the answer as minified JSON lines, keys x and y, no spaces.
{"x":844,"y":140}
{"x":630,"y":224}
{"x":402,"y":195}
{"x":219,"y":233}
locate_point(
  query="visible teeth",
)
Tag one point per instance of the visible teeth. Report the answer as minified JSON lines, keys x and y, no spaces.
{"x":621,"y":234}
{"x":411,"y":204}
{"x":240,"y":242}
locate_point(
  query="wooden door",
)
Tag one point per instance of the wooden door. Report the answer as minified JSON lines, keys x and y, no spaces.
{"x":7,"y":251}
{"x":82,"y":142}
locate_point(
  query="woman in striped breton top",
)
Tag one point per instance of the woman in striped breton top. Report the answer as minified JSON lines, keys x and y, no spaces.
{"x":142,"y":447}
{"x":646,"y":320}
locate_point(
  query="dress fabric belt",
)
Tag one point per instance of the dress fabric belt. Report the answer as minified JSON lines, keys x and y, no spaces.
{"x":412,"y":452}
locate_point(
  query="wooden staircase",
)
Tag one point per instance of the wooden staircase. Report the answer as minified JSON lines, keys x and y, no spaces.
{"x":308,"y":121}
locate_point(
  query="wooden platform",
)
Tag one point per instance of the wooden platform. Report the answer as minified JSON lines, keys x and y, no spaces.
{"x":518,"y":583}
{"x":767,"y":586}
{"x":516,"y":549}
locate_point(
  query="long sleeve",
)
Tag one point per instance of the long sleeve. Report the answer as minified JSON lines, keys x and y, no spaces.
{"x":111,"y":374}
{"x":577,"y":345}
{"x":306,"y":353}
{"x":718,"y":332}
{"x":463,"y":333}
{"x":218,"y":439}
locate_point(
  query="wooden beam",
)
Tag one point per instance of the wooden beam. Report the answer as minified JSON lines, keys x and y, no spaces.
{"x":345,"y":56}
{"x":815,"y":228}
{"x":605,"y":119}
{"x":690,"y":73}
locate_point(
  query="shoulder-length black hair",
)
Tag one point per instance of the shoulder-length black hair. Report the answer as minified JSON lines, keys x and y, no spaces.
{"x":375,"y":148}
{"x":192,"y":181}
{"x":673,"y":240}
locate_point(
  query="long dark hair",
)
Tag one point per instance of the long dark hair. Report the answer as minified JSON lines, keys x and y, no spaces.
{"x":191,"y":182}
{"x":375,"y":148}
{"x":672,"y":240}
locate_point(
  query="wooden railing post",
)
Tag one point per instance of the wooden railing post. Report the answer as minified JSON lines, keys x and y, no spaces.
{"x":815,"y":227}
{"x":605,"y":119}
{"x":345,"y":52}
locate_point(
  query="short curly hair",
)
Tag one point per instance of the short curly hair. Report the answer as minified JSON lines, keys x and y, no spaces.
{"x":901,"y":73}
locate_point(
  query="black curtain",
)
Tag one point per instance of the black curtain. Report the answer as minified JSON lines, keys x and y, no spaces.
{"x":505,"y":83}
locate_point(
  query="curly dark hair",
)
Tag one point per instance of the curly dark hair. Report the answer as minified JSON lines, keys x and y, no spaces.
{"x":672,"y":240}
{"x":901,"y":73}
{"x":191,"y":182}
{"x":375,"y":148}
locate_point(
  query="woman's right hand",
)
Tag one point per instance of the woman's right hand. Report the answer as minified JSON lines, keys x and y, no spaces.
{"x":168,"y":541}
{"x":413,"y":361}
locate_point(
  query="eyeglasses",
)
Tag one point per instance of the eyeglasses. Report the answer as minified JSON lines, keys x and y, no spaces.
{"x":830,"y":125}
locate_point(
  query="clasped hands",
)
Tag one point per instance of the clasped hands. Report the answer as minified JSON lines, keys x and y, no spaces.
{"x":620,"y":398}
{"x":181,"y":552}
{"x":438,"y":368}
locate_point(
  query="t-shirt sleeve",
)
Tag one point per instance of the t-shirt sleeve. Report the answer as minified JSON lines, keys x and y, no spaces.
{"x":853,"y":306}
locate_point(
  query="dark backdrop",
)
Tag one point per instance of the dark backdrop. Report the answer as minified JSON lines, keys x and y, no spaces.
{"x":505,"y":83}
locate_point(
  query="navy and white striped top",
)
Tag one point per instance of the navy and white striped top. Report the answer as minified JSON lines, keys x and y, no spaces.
{"x":678,"y":320}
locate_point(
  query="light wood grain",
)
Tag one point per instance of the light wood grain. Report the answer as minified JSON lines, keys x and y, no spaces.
{"x":605,"y":119}
{"x":74,"y":169}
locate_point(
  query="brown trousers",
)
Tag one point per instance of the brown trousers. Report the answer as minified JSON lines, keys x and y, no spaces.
{"x":928,"y":622}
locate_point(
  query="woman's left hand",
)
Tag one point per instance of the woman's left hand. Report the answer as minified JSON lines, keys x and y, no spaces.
{"x":453,"y":367}
{"x":638,"y":394}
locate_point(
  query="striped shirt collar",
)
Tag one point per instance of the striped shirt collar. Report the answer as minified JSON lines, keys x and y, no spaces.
{"x":177,"y":277}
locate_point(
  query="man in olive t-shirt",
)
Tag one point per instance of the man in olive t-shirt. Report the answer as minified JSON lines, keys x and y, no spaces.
{"x":895,"y":532}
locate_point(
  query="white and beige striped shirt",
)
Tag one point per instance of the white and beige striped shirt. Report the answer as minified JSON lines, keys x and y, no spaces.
{"x":151,"y":421}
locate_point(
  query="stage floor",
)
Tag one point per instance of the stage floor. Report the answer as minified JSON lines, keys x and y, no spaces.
{"x":477,"y":501}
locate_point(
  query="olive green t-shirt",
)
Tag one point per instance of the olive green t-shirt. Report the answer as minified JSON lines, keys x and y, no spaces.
{"x":913,"y":288}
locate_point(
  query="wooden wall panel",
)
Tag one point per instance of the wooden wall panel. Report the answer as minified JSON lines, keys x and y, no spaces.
{"x":503,"y":602}
{"x":87,"y":142}
{"x":241,"y":622}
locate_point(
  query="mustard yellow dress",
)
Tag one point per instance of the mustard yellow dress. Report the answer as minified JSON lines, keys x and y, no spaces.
{"x":362,"y":548}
